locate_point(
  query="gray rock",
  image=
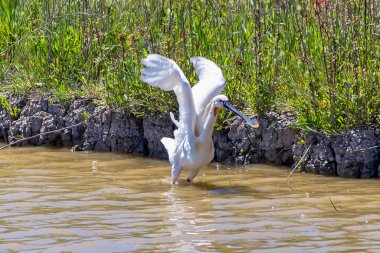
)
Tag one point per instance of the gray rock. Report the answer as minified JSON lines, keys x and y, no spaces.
{"x":221,"y":144}
{"x":154,"y":129}
{"x":101,"y":146}
{"x":113,"y":130}
{"x":320,"y":157}
{"x":272,"y":142}
{"x":75,"y":114}
{"x":353,"y":153}
{"x":6,"y":120}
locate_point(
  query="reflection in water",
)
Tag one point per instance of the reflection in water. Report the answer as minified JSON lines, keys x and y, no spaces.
{"x":184,"y":222}
{"x":52,"y":200}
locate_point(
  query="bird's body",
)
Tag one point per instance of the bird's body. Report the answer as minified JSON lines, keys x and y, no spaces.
{"x":192,"y":146}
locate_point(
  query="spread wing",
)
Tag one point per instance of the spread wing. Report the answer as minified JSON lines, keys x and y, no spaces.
{"x":211,"y":83}
{"x":164,"y":73}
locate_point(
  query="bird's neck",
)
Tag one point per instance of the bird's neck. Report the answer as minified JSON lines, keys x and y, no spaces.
{"x":209,"y":124}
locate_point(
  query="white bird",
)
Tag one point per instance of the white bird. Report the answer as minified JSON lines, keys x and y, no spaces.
{"x":192,"y":146}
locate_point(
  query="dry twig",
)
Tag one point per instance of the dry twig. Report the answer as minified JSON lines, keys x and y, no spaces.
{"x":295,"y":166}
{"x":37,"y":135}
{"x":332,"y":203}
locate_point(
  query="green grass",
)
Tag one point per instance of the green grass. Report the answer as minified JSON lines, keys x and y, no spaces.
{"x":318,"y":58}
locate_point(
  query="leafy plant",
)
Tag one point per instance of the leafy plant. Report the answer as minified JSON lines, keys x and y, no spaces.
{"x":318,"y":58}
{"x":13,"y":111}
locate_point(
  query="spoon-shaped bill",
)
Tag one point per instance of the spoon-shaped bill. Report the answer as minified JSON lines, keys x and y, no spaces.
{"x":252,"y":122}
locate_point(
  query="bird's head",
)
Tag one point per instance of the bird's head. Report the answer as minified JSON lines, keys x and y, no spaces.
{"x":221,"y":101}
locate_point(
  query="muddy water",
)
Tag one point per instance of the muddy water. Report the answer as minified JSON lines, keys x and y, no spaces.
{"x":52,"y":200}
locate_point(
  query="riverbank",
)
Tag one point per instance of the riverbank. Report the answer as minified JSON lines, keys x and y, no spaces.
{"x":354,"y":153}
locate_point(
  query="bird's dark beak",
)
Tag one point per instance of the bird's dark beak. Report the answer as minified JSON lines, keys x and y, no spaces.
{"x":252,"y":122}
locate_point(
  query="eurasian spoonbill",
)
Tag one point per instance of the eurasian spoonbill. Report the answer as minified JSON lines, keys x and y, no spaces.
{"x":192,"y":146}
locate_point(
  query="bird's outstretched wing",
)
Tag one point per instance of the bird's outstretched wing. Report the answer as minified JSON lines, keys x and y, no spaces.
{"x":211,"y":83}
{"x":164,"y":73}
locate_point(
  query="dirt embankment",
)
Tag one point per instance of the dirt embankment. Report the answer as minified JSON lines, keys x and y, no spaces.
{"x":353,"y":153}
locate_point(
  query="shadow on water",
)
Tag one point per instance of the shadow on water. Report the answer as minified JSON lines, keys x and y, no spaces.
{"x":216,"y":189}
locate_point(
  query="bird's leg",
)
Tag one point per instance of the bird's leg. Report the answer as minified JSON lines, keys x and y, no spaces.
{"x":176,"y":170}
{"x":192,"y":175}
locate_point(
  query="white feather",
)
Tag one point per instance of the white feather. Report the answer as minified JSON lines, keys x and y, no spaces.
{"x":187,"y":150}
{"x":211,"y":83}
{"x":161,"y":72}
{"x":169,"y":144}
{"x":174,"y":120}
{"x":164,"y":73}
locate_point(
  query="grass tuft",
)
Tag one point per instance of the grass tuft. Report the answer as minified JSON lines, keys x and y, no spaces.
{"x":319,"y":58}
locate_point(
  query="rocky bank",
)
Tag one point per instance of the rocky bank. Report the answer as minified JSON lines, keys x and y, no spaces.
{"x":354,"y":153}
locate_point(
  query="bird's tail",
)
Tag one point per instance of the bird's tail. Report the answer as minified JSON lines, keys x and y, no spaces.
{"x":169,"y":144}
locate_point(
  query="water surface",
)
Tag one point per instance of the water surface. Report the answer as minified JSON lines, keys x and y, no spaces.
{"x":53,"y":200}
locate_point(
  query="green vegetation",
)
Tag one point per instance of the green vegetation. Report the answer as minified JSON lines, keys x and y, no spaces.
{"x":11,"y":110}
{"x":318,"y":58}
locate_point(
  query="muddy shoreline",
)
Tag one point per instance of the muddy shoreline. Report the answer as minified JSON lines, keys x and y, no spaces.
{"x":354,"y":153}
